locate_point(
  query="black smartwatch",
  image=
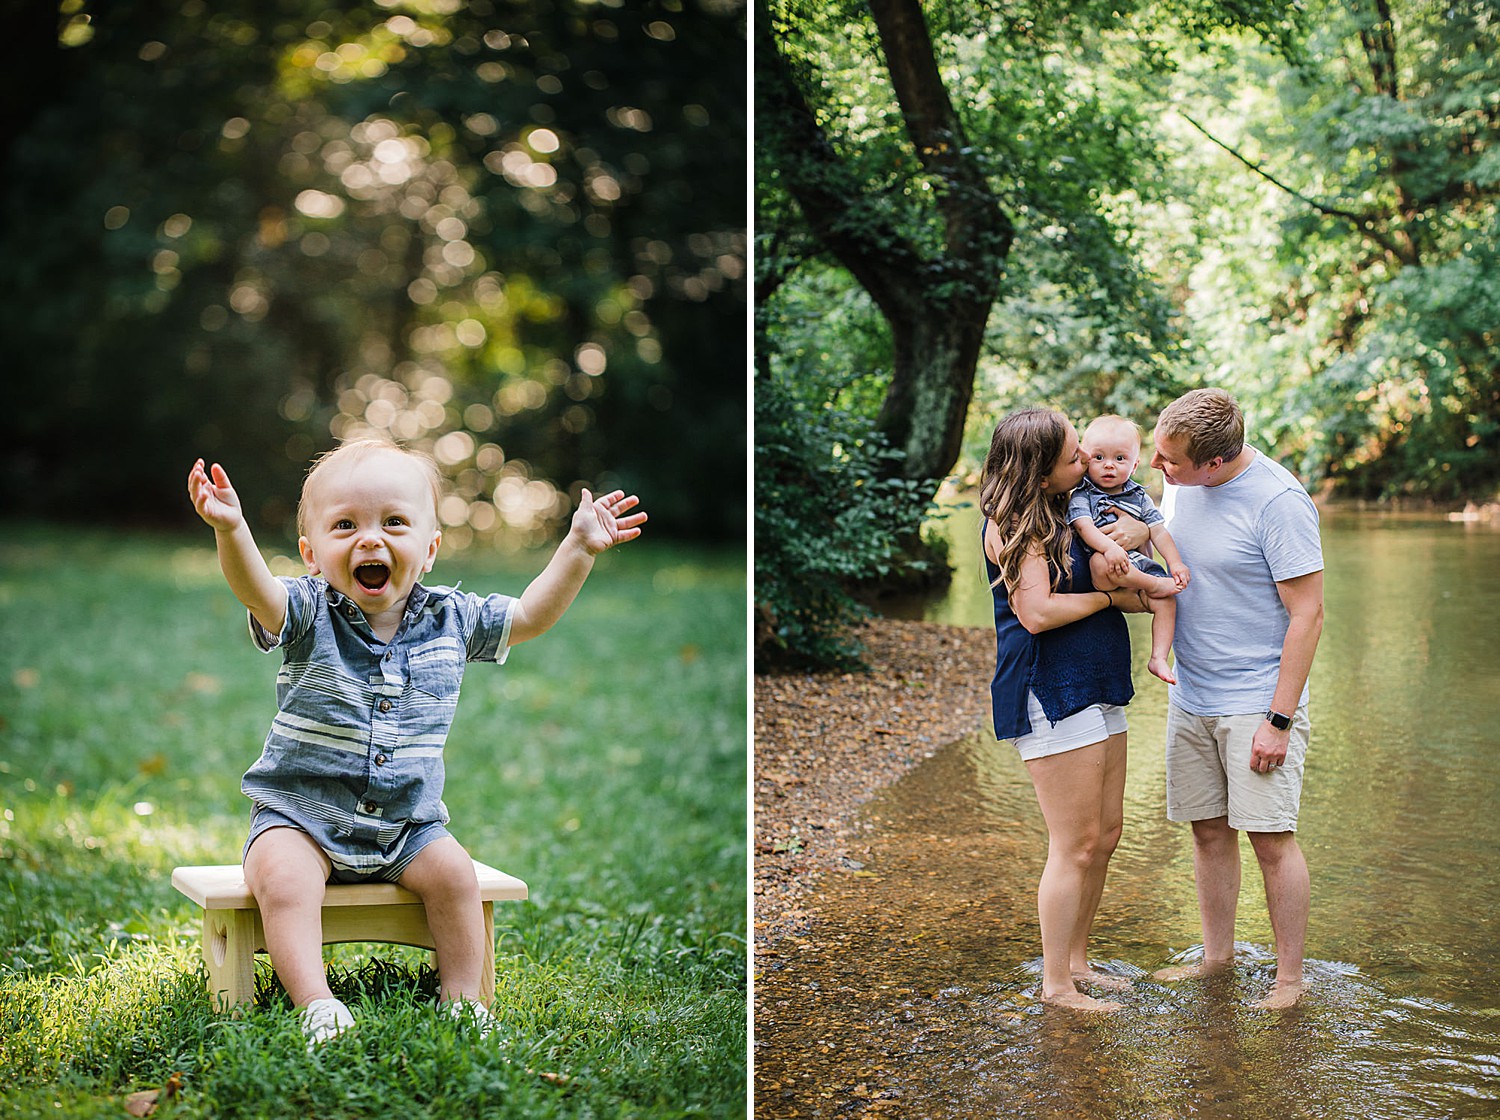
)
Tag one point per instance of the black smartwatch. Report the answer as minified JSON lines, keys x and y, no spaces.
{"x":1278,"y":721}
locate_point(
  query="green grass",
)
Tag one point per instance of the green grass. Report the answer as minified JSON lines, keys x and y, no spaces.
{"x":604,"y":764}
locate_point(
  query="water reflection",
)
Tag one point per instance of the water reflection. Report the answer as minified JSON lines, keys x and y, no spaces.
{"x":915,"y":991}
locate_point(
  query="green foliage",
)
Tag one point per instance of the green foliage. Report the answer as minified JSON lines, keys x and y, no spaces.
{"x":241,"y":232}
{"x":1343,"y":258}
{"x":605,"y":764}
{"x":1296,"y":203}
{"x":829,"y":515}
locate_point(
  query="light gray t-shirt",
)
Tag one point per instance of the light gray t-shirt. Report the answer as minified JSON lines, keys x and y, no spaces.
{"x":1238,"y":540}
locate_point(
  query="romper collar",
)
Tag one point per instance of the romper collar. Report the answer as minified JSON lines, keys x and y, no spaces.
{"x":415,"y":601}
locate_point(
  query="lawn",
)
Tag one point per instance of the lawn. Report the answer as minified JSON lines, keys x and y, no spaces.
{"x":604,"y":763}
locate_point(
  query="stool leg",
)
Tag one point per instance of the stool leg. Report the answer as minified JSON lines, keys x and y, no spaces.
{"x":229,"y":956}
{"x":487,"y":974}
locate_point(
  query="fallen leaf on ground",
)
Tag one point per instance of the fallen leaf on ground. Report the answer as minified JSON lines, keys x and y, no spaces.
{"x":144,"y":1102}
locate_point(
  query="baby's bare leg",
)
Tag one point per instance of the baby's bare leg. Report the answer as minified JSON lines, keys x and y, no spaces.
{"x":288,"y":873}
{"x":443,"y":875}
{"x":1103,"y":580}
{"x":1163,"y":629}
{"x":1134,"y":578}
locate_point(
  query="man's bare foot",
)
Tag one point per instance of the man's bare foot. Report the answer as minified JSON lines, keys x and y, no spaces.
{"x":1077,"y":1001}
{"x":1190,"y":971}
{"x":1161,"y":670}
{"x":1282,"y":996}
{"x":1102,"y":980}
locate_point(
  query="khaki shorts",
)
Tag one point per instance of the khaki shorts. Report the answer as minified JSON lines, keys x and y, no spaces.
{"x":1209,"y":775}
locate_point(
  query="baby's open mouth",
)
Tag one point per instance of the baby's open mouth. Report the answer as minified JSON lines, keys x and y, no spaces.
{"x":372,"y":575}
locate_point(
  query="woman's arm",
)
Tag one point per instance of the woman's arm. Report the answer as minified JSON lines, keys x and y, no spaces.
{"x":1036,"y":605}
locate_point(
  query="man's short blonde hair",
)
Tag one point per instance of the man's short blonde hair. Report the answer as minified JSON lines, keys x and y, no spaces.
{"x":356,"y":449}
{"x":1208,"y":422}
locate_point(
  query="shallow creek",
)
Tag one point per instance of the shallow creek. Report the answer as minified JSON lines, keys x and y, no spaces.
{"x":914,"y":989}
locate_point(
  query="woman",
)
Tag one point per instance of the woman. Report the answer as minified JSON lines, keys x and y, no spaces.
{"x":1062,"y":677}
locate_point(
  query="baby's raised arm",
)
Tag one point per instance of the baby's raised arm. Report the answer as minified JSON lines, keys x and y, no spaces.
{"x":597,"y":525}
{"x":1162,"y":541}
{"x":243,"y":566}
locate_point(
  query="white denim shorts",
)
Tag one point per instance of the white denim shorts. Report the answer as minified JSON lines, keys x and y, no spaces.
{"x":1094,"y":724}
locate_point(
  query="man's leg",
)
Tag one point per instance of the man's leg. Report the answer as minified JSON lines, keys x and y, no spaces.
{"x":1288,"y":892}
{"x":1216,"y":870}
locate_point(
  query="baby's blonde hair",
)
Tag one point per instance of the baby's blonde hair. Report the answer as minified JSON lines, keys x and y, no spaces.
{"x":1112,"y":420}
{"x":357,"y":449}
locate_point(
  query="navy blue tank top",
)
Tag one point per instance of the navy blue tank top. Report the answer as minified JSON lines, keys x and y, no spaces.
{"x":1070,"y":667}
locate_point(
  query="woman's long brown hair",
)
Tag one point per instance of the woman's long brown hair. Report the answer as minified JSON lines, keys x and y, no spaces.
{"x":1024,"y":449}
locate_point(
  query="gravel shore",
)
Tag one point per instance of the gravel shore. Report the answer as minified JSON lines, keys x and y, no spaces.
{"x":826,"y":742}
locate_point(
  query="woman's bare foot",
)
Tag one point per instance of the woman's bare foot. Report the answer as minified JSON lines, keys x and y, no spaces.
{"x":1282,"y":996}
{"x":1161,"y":670}
{"x":1077,"y":1001}
{"x":1102,"y":980}
{"x":1190,"y":971}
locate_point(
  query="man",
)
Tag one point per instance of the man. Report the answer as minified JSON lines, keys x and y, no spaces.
{"x":1247,"y":630}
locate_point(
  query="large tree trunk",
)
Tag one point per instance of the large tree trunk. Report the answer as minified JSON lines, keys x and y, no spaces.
{"x":937,"y":305}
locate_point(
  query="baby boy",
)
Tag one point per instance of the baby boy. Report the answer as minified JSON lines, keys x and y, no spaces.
{"x":1112,"y":447}
{"x":349,"y":784}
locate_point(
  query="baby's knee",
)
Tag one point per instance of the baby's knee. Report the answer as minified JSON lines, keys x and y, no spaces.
{"x":287,"y":888}
{"x":442,"y":868}
{"x":1099,"y":573}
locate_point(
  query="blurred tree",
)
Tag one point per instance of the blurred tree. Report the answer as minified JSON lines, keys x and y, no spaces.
{"x":513,"y":236}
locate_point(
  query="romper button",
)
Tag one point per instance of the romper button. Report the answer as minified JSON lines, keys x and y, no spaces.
{"x":380,"y":760}
{"x":385,"y":705}
{"x":369,"y":806}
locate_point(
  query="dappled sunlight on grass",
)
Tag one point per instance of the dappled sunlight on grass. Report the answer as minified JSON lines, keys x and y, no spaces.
{"x":604,"y":764}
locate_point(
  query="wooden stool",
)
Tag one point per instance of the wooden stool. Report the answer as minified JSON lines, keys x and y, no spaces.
{"x":233,"y":934}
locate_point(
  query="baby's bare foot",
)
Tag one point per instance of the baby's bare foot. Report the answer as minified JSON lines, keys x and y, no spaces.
{"x":1102,"y":980}
{"x":1162,"y":587}
{"x":1282,"y":996}
{"x":1161,"y":670}
{"x":1077,"y":1001}
{"x":1190,"y":971}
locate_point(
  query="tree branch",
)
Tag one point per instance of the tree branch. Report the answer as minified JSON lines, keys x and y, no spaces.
{"x":977,"y":230}
{"x":1366,"y":224}
{"x":878,"y":255}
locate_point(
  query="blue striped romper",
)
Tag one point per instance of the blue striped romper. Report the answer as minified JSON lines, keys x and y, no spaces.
{"x":354,"y":757}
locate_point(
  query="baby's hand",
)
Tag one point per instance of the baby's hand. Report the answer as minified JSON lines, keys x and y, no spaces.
{"x":598,"y":523}
{"x":1116,"y":560}
{"x":1181,"y":577}
{"x":215,"y":499}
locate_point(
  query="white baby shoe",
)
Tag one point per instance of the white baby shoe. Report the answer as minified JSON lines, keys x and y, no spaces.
{"x":323,"y":1019}
{"x":471,"y":1011}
